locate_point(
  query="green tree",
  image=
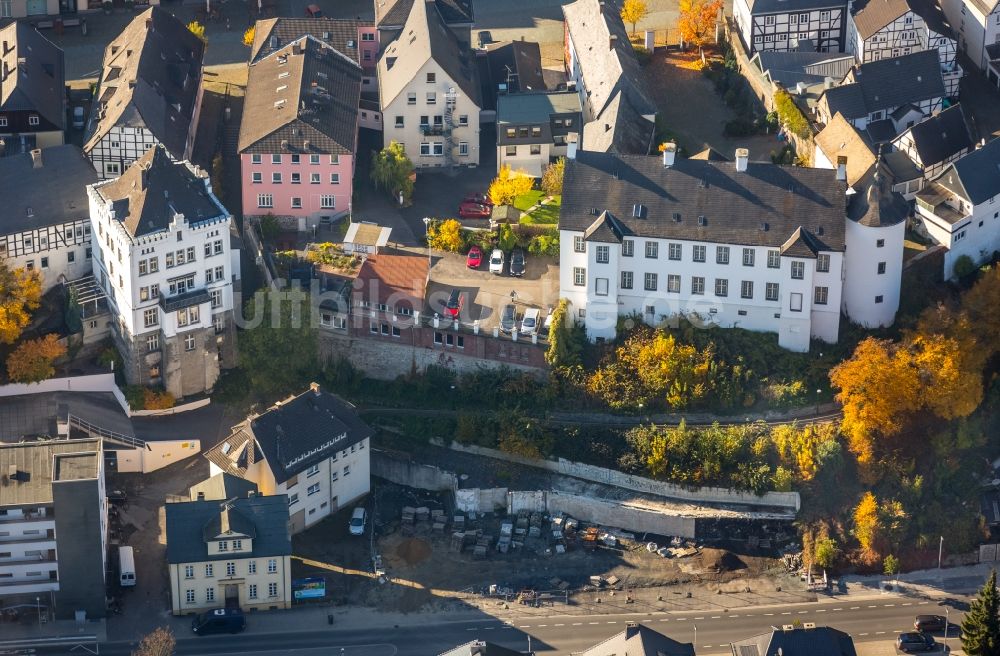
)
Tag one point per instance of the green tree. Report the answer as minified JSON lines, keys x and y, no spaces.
{"x":552,"y":177}
{"x":981,"y":626}
{"x":565,"y":339}
{"x":506,"y":239}
{"x":634,"y":11}
{"x":890,"y":565}
{"x":508,"y":185}
{"x":218,"y":171}
{"x":825,"y":552}
{"x":32,"y":361}
{"x":269,"y":227}
{"x":964,"y":266}
{"x":393,"y":172}
{"x":278,"y":351}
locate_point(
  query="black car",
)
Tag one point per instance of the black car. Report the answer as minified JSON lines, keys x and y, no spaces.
{"x":913,"y":641}
{"x":517,"y":262}
{"x":221,"y":620}
{"x":929,"y":623}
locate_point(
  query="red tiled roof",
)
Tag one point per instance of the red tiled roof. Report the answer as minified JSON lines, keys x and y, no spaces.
{"x":383,"y":276}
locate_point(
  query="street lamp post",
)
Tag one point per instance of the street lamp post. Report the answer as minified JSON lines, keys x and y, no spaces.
{"x":947,"y":614}
{"x":427,"y":238}
{"x":38,"y":609}
{"x":696,"y":637}
{"x":940,"y":550}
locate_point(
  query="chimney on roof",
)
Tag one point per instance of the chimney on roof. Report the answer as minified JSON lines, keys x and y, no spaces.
{"x":144,"y":174}
{"x":612,"y":42}
{"x":669,"y":154}
{"x":36,"y":158}
{"x":274,"y":41}
{"x":742,"y":159}
{"x":842,"y":168}
{"x":297,"y":48}
{"x":315,"y":388}
{"x":305,"y":145}
{"x":284,"y":145}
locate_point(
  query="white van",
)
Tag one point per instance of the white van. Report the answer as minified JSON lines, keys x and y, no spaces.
{"x":529,"y":323}
{"x":126,"y":567}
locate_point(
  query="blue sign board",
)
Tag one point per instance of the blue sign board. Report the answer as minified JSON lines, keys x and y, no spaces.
{"x":310,"y":588}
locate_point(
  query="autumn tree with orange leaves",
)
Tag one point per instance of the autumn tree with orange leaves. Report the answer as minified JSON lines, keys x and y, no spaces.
{"x":32,"y":361}
{"x":20,"y":292}
{"x":697,"y":20}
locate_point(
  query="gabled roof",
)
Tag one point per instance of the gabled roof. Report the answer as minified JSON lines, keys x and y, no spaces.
{"x":887,"y":84}
{"x":819,"y":641}
{"x":523,"y":58}
{"x":783,"y":6}
{"x":154,"y":189}
{"x":393,"y":13}
{"x":272,"y":34}
{"x":425,"y":37}
{"x":191,"y":524}
{"x":640,"y":640}
{"x":706,"y":201}
{"x":790,"y":68}
{"x":841,"y":139}
{"x":32,"y":74}
{"x":608,"y":69}
{"x":876,"y":205}
{"x":975,"y":177}
{"x":291,"y":436}
{"x":481,"y":648}
{"x":221,"y":487}
{"x":150,"y":78}
{"x":621,"y":128}
{"x":30,"y":199}
{"x":801,"y":244}
{"x":605,"y":229}
{"x":302,"y":98}
{"x":870,"y":16}
{"x":939,"y":137}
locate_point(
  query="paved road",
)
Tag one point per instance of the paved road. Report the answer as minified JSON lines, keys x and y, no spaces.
{"x":873,"y":623}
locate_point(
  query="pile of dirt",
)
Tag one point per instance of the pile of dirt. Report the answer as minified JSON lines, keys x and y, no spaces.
{"x":720,"y":561}
{"x":414,"y":550}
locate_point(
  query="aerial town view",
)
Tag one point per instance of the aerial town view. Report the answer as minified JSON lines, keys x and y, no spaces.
{"x":499,"y":327}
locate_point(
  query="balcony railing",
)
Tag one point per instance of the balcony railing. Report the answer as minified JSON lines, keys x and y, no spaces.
{"x":434,"y":130}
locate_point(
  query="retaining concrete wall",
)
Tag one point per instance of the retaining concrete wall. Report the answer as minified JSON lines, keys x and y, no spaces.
{"x":713,"y":495}
{"x":402,"y":471}
{"x":156,"y":455}
{"x":91,"y":383}
{"x":481,"y":500}
{"x":177,"y":409}
{"x":626,"y":515}
{"x":532,"y":501}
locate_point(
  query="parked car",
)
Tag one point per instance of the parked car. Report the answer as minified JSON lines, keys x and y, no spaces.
{"x":508,"y":318}
{"x":469,"y":210}
{"x":220,"y":620}
{"x":455,"y":302}
{"x":929,"y":623}
{"x":911,"y":642}
{"x":547,"y":326}
{"x":476,"y":197}
{"x":357,"y":524}
{"x":474,"y":258}
{"x":529,"y":322}
{"x":496,"y":261}
{"x":517,"y":262}
{"x":78,"y":118}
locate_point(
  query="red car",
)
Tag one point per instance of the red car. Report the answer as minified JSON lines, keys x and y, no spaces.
{"x":455,"y":302}
{"x":475,"y":257}
{"x":477,"y":197}
{"x":469,"y":210}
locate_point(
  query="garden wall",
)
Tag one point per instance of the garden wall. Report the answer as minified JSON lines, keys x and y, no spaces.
{"x":402,"y":470}
{"x":785,"y":501}
{"x":156,"y":455}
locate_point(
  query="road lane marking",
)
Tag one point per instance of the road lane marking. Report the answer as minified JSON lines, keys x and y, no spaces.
{"x":558,"y":625}
{"x":524,"y":626}
{"x":611,"y":622}
{"x":888,"y":605}
{"x":581,"y":623}
{"x":769,"y":613}
{"x":787,"y":613}
{"x":879,"y":632}
{"x":923,"y":603}
{"x":876,"y":606}
{"x":699,"y":618}
{"x":735,"y":616}
{"x":802,"y":612}
{"x":821,"y":610}
{"x":836,"y":609}
{"x":862,"y":634}
{"x":857,"y":607}
{"x":715,"y":617}
{"x":681,"y":619}
{"x":909,"y":603}
{"x":541,"y":625}
{"x":593,"y":622}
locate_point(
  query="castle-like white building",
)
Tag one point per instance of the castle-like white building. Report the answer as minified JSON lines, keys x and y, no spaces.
{"x":728,"y":243}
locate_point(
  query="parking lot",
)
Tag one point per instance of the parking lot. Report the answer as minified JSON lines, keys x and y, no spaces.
{"x":487,"y":293}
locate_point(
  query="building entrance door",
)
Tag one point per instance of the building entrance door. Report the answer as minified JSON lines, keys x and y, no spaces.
{"x":232,"y":596}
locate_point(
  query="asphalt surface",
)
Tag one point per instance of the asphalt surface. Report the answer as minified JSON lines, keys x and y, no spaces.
{"x":873,"y":624}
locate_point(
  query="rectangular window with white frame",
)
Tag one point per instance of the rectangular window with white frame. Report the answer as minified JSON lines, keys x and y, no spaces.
{"x":628,"y":248}
{"x":673,"y":283}
{"x":579,"y":276}
{"x":650,"y":282}
{"x":652,"y":250}
{"x":773,"y":260}
{"x":603,"y":254}
{"x":746,"y":289}
{"x":579,"y":245}
{"x":626,"y":280}
{"x":821,"y":295}
{"x":721,"y":287}
{"x":771,"y":291}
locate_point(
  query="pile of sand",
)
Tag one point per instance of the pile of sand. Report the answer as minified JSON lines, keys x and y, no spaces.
{"x":413,"y":551}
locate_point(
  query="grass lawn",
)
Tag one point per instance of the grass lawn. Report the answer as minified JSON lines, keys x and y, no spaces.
{"x":547,"y":214}
{"x":529,"y":199}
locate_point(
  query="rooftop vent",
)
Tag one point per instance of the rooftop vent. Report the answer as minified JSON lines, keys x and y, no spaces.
{"x":820,"y":231}
{"x":593,"y":211}
{"x":764,"y":227}
{"x":677,"y":217}
{"x":639,"y":210}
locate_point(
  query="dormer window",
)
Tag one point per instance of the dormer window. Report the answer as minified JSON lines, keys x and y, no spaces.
{"x":33,"y":120}
{"x":237,"y":545}
{"x":223,"y":545}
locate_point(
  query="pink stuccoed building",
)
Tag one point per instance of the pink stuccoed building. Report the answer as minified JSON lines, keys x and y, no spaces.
{"x":299,"y":133}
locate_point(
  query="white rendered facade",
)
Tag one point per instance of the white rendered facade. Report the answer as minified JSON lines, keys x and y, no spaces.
{"x":59,"y":252}
{"x":257,"y":582}
{"x":959,"y":226}
{"x":976,"y":29}
{"x":872,"y":284}
{"x":757,"y":297}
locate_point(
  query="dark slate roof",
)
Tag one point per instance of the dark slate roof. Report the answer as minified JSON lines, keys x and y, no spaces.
{"x":481,"y":648}
{"x":342,"y":34}
{"x":320,"y":92}
{"x":37,"y":74}
{"x":424,"y":37}
{"x":617,"y":95}
{"x":939,"y":137}
{"x":221,"y":487}
{"x":875,"y":204}
{"x":292,"y":435}
{"x":790,"y":68}
{"x":801,"y":244}
{"x":150,"y":78}
{"x":536,"y":109}
{"x":870,"y":16}
{"x":229,"y":521}
{"x":151,"y":191}
{"x":887,"y":84}
{"x":975,"y":177}
{"x":524,"y":58}
{"x":820,"y":641}
{"x":881,"y":132}
{"x":391,"y":14}
{"x":901,"y":168}
{"x":786,"y":6}
{"x":606,"y":228}
{"x":762,"y":206}
{"x":640,"y":640}
{"x":934,"y":16}
{"x":31,"y":199}
{"x":189,"y":523}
